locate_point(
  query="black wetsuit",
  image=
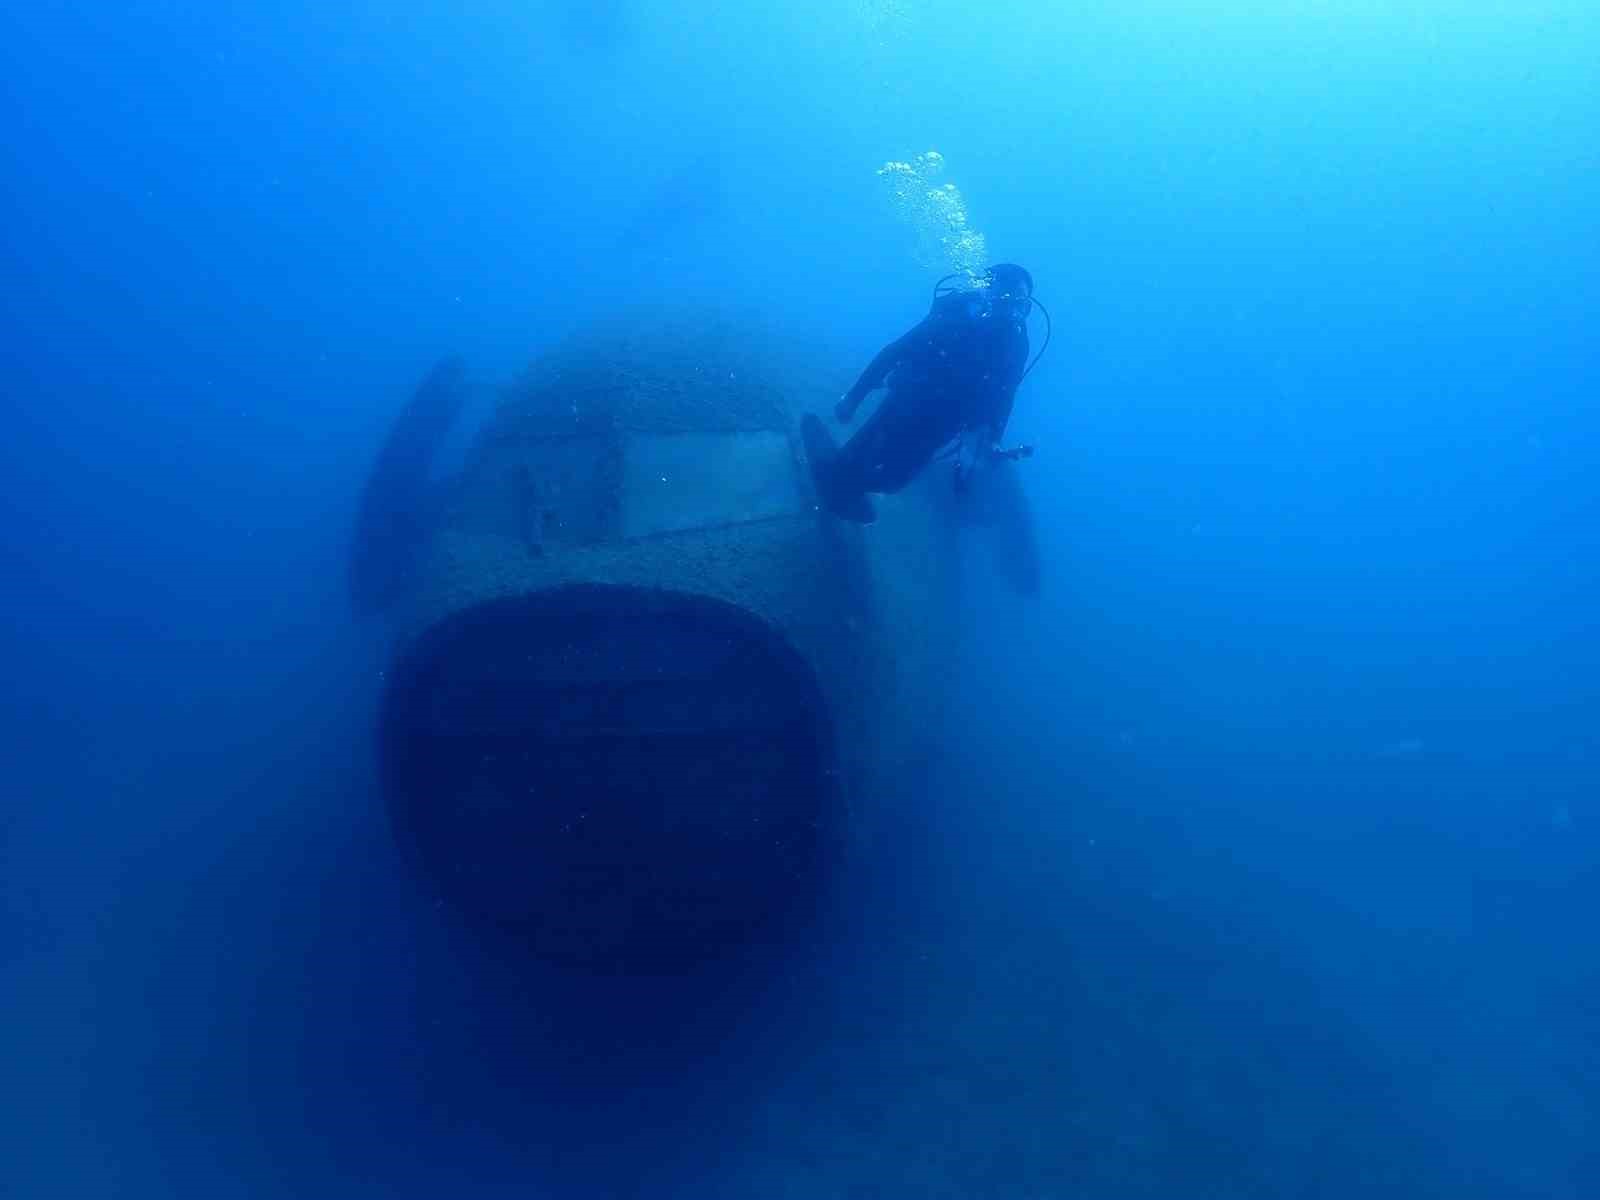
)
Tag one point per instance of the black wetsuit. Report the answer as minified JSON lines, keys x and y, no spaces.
{"x":956,"y":373}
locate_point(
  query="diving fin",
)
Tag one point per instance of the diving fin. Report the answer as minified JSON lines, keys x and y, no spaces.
{"x":821,"y":452}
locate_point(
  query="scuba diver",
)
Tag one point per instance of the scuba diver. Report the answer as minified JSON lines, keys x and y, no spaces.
{"x":951,"y":382}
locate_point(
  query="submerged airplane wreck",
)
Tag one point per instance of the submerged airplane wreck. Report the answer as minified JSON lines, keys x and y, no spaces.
{"x":644,"y":694}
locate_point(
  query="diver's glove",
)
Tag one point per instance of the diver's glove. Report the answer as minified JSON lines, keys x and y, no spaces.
{"x":974,"y":449}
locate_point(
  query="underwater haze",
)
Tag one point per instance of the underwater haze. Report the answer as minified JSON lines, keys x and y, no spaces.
{"x":1264,"y":857}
